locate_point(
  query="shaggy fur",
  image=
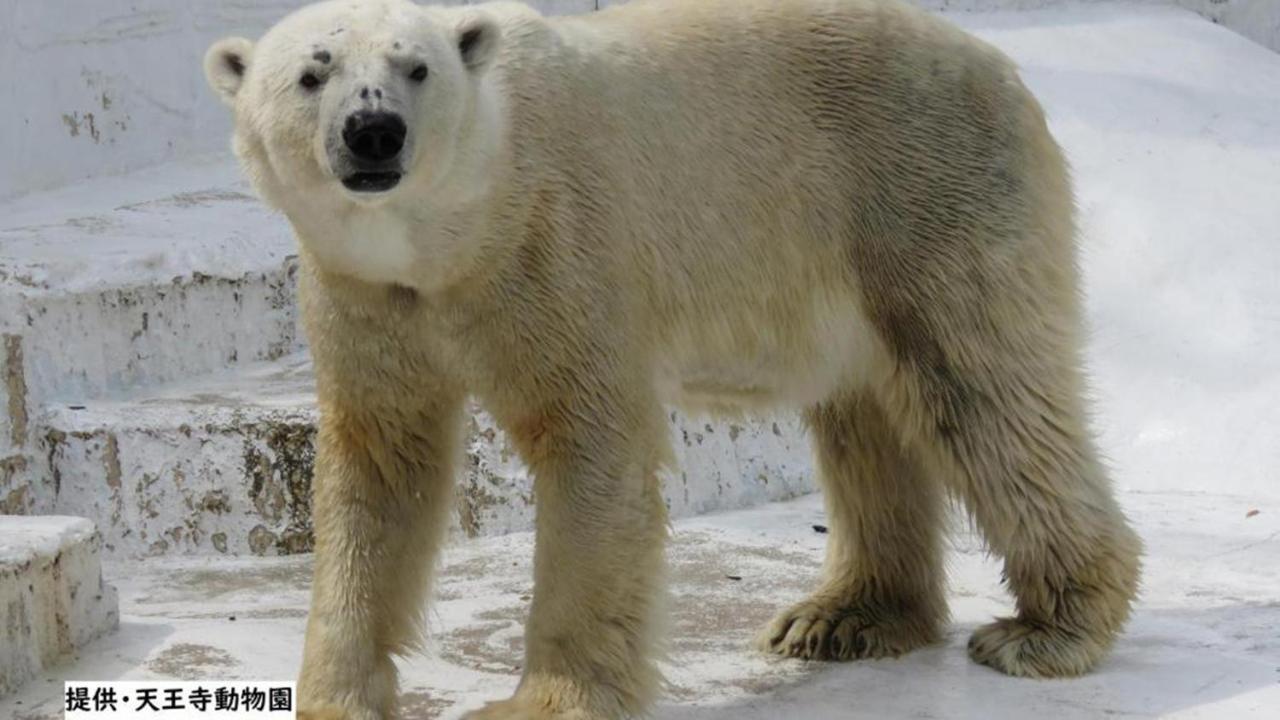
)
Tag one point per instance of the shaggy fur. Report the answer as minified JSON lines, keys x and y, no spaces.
{"x":842,"y":206}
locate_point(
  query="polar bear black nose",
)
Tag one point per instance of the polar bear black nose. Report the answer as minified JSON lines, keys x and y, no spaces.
{"x":374,"y":136}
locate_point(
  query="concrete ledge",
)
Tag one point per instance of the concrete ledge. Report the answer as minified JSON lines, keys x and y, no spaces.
{"x":154,"y":278}
{"x":52,"y":596}
{"x":223,"y":465}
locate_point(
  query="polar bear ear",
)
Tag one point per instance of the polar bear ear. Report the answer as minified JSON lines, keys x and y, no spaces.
{"x":225,"y":65}
{"x":478,"y":38}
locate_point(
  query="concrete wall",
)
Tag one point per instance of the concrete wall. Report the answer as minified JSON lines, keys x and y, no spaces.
{"x":1258,"y":20}
{"x":97,"y":87}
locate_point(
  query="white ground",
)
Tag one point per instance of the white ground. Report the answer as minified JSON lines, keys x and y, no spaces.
{"x":1173,"y":126}
{"x":1203,"y":643}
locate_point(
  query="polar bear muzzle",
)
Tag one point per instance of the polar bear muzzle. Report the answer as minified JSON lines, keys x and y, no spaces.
{"x":375,"y":140}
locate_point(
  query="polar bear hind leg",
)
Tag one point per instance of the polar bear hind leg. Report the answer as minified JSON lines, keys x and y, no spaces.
{"x":986,"y":380}
{"x":881,"y":592}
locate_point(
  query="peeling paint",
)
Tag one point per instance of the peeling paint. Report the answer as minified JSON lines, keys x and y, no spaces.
{"x":45,"y":564}
{"x":235,"y":478}
{"x":10,"y":467}
{"x":473,"y":499}
{"x":72,"y":123}
{"x":76,"y":122}
{"x":111,"y":458}
{"x":52,"y":441}
{"x":216,"y":502}
{"x":15,"y":502}
{"x":15,"y":380}
{"x":280,"y":460}
{"x":261,"y":540}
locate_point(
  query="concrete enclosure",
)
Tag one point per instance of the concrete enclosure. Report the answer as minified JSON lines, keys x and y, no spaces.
{"x":99,"y":87}
{"x":136,"y":272}
{"x":153,"y":379}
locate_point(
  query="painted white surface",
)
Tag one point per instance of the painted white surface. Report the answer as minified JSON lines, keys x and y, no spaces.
{"x":140,"y":318}
{"x":52,"y":594}
{"x":223,"y":465}
{"x":196,"y":215}
{"x":1258,"y":20}
{"x":98,"y":87}
{"x":1170,"y":123}
{"x":120,"y":283}
{"x":1202,"y":642}
{"x":30,"y":538}
{"x":1172,"y":126}
{"x":115,"y":284}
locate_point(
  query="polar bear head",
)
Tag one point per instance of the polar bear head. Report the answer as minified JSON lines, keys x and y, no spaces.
{"x":352,"y":105}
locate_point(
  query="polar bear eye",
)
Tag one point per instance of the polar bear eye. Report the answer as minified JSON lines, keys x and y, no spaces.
{"x":309,"y":81}
{"x":419,"y":73}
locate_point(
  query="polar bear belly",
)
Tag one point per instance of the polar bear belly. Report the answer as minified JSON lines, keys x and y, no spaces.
{"x":753,"y":361}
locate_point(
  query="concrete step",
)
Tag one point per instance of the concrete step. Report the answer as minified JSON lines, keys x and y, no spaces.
{"x":51,"y":592}
{"x":149,"y":279}
{"x":224,"y":465}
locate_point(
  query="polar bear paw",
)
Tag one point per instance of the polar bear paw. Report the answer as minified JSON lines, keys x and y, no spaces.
{"x":823,"y":629}
{"x":1035,"y":650}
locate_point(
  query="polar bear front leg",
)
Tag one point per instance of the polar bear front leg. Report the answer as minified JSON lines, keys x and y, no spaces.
{"x":601,"y":528}
{"x":382,"y":493}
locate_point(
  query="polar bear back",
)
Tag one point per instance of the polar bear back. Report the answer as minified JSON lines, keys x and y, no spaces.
{"x":734,"y":150}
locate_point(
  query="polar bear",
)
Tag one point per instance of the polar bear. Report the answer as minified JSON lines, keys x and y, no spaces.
{"x":846,"y":207}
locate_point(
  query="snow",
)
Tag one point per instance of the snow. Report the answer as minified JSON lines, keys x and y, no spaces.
{"x":1173,"y":127}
